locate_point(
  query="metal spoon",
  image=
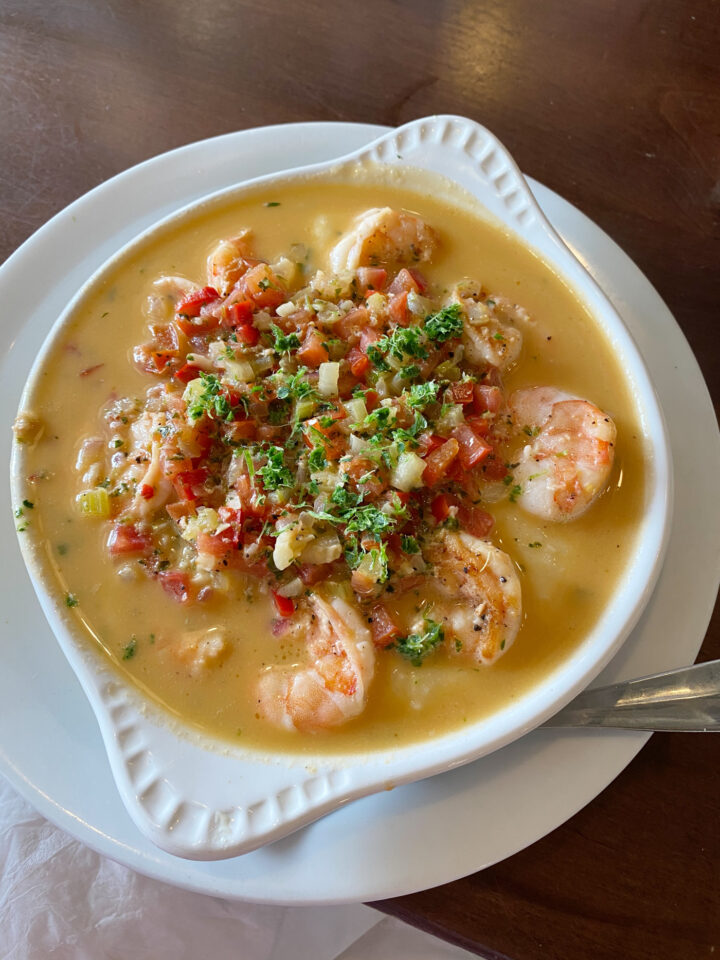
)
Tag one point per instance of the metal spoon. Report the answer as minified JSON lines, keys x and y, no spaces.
{"x":686,"y":699}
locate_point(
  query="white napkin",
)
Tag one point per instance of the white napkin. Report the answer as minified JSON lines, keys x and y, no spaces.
{"x":61,"y":900}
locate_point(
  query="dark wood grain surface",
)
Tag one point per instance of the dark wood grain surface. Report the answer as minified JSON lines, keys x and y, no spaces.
{"x":616,"y":105}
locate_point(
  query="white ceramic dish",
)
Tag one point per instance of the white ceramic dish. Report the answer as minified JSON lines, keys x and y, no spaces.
{"x":197,"y":802}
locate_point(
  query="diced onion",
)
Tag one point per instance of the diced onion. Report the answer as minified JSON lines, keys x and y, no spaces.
{"x":94,"y":503}
{"x":328,"y":373}
{"x":285,"y":309}
{"x":323,"y":549}
{"x":292,"y":589}
{"x":206,"y":521}
{"x":407,"y":474}
{"x":376,"y":302}
{"x":357,"y":411}
{"x":452,"y":417}
{"x":240,"y":370}
{"x":358,"y":444}
{"x":417,"y":305}
{"x":305,"y":408}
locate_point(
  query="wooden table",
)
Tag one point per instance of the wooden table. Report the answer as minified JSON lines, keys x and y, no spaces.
{"x":578,"y":91}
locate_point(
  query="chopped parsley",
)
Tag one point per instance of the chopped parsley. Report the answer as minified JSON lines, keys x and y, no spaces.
{"x":316,"y":459}
{"x":445,"y":324}
{"x":295,"y":386}
{"x":275,"y":474}
{"x":71,"y":600}
{"x":417,"y":646}
{"x":409,"y":544}
{"x":422,"y":393}
{"x":129,"y":649}
{"x":515,"y":492}
{"x":284,"y":342}
{"x":212,"y":400}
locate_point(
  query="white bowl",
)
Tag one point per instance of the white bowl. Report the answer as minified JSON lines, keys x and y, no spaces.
{"x":203,"y":799}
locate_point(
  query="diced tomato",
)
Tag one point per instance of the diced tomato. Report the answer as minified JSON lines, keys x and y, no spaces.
{"x":176,"y":584}
{"x":240,"y":313}
{"x":368,"y":336}
{"x":490,"y":376}
{"x":462,"y":391}
{"x":147,"y":491}
{"x":372,"y":400}
{"x":218,"y":544}
{"x":398,"y":309}
{"x":475,"y":520}
{"x":440,"y":506}
{"x":125,"y":538}
{"x":481,"y":425}
{"x":429,"y":442}
{"x":334,"y":442}
{"x":419,"y":279}
{"x":262,"y":287}
{"x":193,"y":303}
{"x":438,"y":462}
{"x":404,"y":282}
{"x":383,"y":626}
{"x":312,"y":573}
{"x":473,"y":449}
{"x":349,"y":326}
{"x":371,"y":279}
{"x":241,"y":430}
{"x":161,"y":358}
{"x":270,"y":432}
{"x":285,"y":606}
{"x":313,"y":351}
{"x":247,"y":334}
{"x":182,"y":508}
{"x":494,"y":468}
{"x":359,"y":363}
{"x":187,"y":372}
{"x":486,"y":399}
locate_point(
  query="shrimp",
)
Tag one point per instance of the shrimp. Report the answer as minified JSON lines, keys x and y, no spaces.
{"x":226,"y":263}
{"x":485,"y":612}
{"x":332,"y":688}
{"x":487,"y":337}
{"x":167,"y":292}
{"x":383,"y":235}
{"x":567,"y":464}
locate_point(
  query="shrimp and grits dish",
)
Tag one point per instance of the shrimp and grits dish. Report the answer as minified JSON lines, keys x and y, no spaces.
{"x":334,"y":467}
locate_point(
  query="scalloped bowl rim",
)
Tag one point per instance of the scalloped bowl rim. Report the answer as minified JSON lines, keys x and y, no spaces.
{"x":120,"y":707}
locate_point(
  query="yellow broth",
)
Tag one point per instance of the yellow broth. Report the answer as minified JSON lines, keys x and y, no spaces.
{"x":568,"y":571}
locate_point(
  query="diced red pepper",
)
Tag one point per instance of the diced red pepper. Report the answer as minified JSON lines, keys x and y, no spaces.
{"x":419,"y":280}
{"x":372,"y":400}
{"x":125,"y":538}
{"x":473,"y":449}
{"x":440,"y":506}
{"x":285,"y":606}
{"x":239,"y":313}
{"x":438,"y":462}
{"x":383,"y":626}
{"x":193,"y":303}
{"x":247,"y":334}
{"x":175,"y":584}
{"x":187,"y":372}
{"x":218,"y":544}
{"x":147,"y":491}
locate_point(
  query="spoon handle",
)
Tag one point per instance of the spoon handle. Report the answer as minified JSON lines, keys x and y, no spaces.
{"x":686,"y":699}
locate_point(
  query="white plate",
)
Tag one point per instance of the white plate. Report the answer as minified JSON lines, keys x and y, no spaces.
{"x":369,"y":849}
